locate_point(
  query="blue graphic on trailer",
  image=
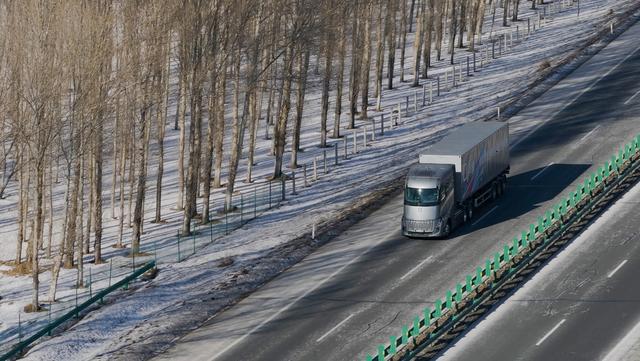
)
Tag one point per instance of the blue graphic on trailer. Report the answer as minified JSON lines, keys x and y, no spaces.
{"x":478,"y":175}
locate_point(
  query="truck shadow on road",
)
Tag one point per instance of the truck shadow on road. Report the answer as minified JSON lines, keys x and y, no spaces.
{"x":526,"y":192}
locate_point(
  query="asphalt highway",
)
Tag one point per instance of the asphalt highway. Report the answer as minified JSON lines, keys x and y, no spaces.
{"x":351,"y":294}
{"x":577,"y":307}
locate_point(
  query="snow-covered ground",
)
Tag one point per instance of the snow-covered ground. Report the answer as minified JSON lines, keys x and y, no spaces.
{"x":274,"y":240}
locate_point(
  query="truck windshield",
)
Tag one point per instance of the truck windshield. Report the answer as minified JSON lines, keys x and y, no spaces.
{"x":423,"y":197}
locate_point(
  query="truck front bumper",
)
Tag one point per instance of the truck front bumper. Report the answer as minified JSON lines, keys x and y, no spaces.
{"x":421,"y":228}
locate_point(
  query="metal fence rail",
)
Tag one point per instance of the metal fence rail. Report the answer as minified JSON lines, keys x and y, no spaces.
{"x":17,"y":350}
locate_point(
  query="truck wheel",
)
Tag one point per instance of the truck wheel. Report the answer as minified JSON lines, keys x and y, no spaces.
{"x":447,"y":229}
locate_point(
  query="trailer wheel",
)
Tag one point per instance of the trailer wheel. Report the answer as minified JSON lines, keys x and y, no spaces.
{"x":469,"y":212}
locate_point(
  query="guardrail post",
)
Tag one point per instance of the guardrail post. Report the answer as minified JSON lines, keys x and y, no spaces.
{"x":315,"y":169}
{"x":364,"y":137}
{"x":49,"y":324}
{"x":416,"y":327}
{"x":373,"y":129}
{"x":110,"y":267}
{"x":381,"y":124}
{"x":380,"y":352}
{"x":293,"y":182}
{"x":438,"y":310}
{"x":255,"y":201}
{"x":458,"y":292}
{"x":355,"y":142}
{"x":405,"y":334}
{"x":241,"y":210}
{"x":193,"y":234}
{"x":324,"y":160}
{"x":90,"y":284}
{"x":430,"y":92}
{"x":76,"y":301}
{"x":478,"y":275}
{"x":226,"y":213}
{"x":487,"y":268}
{"x":178,"y":246}
{"x":335,"y":155}
{"x":427,"y":317}
{"x":20,"y":324}
{"x":392,"y":345}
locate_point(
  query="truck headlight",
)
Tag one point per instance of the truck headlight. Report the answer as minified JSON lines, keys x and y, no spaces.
{"x":438,"y":225}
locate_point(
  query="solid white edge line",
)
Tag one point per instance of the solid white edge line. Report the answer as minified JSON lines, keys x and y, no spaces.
{"x":633,"y":96}
{"x":335,"y":327}
{"x":550,"y":332}
{"x":484,"y":215}
{"x":591,"y":132}
{"x":415,"y":268}
{"x":616,"y":269}
{"x":241,"y":338}
{"x":542,"y":171}
{"x":574,"y":99}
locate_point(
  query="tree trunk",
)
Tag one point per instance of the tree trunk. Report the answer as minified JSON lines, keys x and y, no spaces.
{"x":428,"y":31}
{"x":280,"y":131}
{"x":141,"y":181}
{"x":356,"y":62}
{"x":417,"y":47}
{"x":391,"y":41}
{"x":403,"y":37}
{"x":505,"y":12}
{"x":339,"y":81}
{"x":181,"y":141}
{"x":379,"y":57}
{"x":326,"y":84}
{"x":303,"y":66}
{"x":366,"y":61}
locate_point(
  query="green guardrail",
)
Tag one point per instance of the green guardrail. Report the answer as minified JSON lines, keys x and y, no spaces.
{"x":17,"y":350}
{"x":553,"y":219}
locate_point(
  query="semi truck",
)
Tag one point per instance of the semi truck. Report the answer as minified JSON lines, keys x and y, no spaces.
{"x":465,"y":169}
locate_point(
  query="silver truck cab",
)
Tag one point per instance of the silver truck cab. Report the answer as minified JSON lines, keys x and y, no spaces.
{"x":428,"y":200}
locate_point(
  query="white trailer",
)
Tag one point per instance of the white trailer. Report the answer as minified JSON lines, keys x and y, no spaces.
{"x":457,"y":174}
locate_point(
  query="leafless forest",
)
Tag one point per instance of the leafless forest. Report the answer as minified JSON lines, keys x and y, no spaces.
{"x":89,"y":85}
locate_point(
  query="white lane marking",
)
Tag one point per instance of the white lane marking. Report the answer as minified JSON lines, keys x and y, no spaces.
{"x":484,"y":215}
{"x":415,"y":268}
{"x":550,"y":332}
{"x":335,"y":328}
{"x":588,"y":134}
{"x":542,"y":171}
{"x":276,"y":314}
{"x":633,"y":96}
{"x":574,"y":99}
{"x":616,"y":269}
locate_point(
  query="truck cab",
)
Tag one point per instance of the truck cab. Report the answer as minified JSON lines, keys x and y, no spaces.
{"x":429,"y":200}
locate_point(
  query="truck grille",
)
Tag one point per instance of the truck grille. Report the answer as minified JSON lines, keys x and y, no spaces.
{"x":412,"y":225}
